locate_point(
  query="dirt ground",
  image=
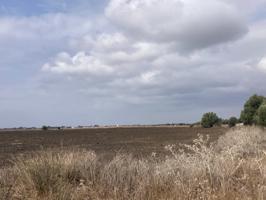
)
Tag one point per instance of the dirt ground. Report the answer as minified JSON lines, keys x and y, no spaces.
{"x":139,"y":141}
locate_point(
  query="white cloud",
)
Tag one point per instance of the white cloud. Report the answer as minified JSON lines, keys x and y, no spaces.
{"x":191,"y":24}
{"x":111,"y":42}
{"x":154,"y":64}
{"x":262,"y":64}
{"x":164,"y":30}
{"x":115,"y":52}
{"x":246,"y":6}
{"x":78,"y":64}
{"x":137,"y":52}
{"x":46,"y":26}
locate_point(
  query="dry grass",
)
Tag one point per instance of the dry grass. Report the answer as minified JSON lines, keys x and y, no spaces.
{"x":234,"y":167}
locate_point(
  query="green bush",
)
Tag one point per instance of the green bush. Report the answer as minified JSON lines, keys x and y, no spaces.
{"x":232,"y":121}
{"x":225,"y":121}
{"x":209,"y":120}
{"x":248,"y":115}
{"x":261,"y":115}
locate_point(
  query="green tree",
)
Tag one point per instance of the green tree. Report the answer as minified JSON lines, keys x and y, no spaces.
{"x":44,"y":128}
{"x":248,"y":115}
{"x":225,"y":121}
{"x":261,"y":115}
{"x":232,"y":121}
{"x":209,"y":120}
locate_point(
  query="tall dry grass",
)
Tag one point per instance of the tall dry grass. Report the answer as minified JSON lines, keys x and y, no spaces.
{"x":234,"y":167}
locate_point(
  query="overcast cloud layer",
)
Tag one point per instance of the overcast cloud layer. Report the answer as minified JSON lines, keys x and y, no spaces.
{"x":129,"y":61}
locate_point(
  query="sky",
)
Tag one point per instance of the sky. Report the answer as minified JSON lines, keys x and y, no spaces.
{"x":83,"y":62}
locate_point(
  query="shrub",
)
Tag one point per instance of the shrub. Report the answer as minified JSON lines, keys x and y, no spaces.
{"x":248,"y":115}
{"x":44,"y":128}
{"x":209,"y":120}
{"x":232,"y":121}
{"x":261,"y":115}
{"x":225,"y":121}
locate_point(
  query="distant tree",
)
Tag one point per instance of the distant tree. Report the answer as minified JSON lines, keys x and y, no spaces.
{"x":44,"y":128}
{"x":219,"y":122}
{"x":248,"y":115}
{"x":225,"y":121}
{"x":209,"y":119}
{"x":239,"y":120}
{"x":232,"y":121}
{"x":261,"y":115}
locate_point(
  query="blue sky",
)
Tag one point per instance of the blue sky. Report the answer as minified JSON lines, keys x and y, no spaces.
{"x":33,"y":7}
{"x":69,"y":62}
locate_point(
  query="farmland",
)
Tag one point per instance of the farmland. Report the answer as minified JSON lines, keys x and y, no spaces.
{"x":231,"y":167}
{"x":139,"y":141}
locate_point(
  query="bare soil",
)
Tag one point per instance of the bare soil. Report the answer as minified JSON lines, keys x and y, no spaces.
{"x":139,"y":141}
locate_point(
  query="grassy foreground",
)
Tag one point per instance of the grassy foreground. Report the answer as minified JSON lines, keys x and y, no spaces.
{"x":234,"y":167}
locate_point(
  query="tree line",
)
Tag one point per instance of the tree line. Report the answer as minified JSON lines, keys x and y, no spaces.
{"x":253,"y":113}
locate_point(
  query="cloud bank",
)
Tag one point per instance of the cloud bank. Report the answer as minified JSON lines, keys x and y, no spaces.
{"x":160,"y":59}
{"x":160,"y":47}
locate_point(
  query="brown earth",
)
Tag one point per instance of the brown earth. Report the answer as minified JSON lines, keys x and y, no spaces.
{"x":139,"y":141}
